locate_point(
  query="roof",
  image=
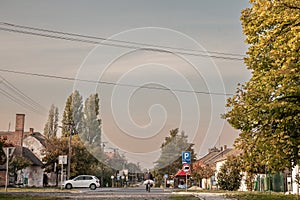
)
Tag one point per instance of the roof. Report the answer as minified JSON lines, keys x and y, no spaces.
{"x":29,"y":155}
{"x":13,"y":136}
{"x":221,"y":154}
{"x":233,"y":152}
{"x":26,"y":154}
{"x":215,"y":155}
{"x":212,"y":152}
{"x":40,"y":137}
{"x":209,"y":156}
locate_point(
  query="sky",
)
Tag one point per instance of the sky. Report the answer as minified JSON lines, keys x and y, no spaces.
{"x":144,"y":93}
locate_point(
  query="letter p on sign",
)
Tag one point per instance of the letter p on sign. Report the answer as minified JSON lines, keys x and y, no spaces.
{"x":186,"y":157}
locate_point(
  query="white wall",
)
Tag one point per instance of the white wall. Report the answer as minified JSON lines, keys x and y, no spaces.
{"x":295,"y":185}
{"x":35,"y":146}
{"x":34,"y":174}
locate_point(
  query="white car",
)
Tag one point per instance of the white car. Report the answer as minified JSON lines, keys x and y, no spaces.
{"x":82,"y":181}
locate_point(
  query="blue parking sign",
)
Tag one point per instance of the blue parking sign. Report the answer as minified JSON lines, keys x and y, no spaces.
{"x":186,"y":157}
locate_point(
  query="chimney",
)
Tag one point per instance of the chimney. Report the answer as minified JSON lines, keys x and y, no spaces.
{"x":225,"y":147}
{"x":20,"y":121}
{"x":31,"y":130}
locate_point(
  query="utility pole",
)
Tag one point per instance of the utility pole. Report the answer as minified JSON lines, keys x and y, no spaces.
{"x":102,"y":166}
{"x":70,"y":124}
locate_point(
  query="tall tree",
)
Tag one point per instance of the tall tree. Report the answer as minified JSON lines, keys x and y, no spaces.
{"x":92,"y":122}
{"x":51,"y":126}
{"x":266,"y":109}
{"x":73,"y":114}
{"x":170,"y":160}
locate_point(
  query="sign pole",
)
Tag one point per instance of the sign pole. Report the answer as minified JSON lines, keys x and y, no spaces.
{"x":186,"y":161}
{"x":62,"y":160}
{"x":6,"y":175}
{"x":9,"y":152}
{"x":186,"y":179}
{"x":62,"y":176}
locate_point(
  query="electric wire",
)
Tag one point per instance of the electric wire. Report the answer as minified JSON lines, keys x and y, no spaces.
{"x":19,"y":101}
{"x":135,"y":47}
{"x":114,"y":84}
{"x":22,"y":95}
{"x":114,"y":40}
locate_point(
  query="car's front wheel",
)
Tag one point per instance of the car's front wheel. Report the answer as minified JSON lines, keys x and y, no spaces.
{"x":93,"y":187}
{"x":69,"y":186}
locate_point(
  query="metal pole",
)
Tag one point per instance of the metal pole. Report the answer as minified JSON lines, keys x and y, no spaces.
{"x":62,"y":176}
{"x":6,"y":175}
{"x":102,"y":174}
{"x":70,"y":153}
{"x":186,"y":181}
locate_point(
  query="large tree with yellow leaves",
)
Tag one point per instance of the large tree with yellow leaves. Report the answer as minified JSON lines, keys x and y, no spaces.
{"x":266,"y":109}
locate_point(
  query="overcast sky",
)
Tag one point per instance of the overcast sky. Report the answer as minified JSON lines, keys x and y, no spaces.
{"x":132,"y":117}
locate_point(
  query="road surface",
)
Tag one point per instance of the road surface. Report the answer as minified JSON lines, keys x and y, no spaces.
{"x":136,"y":193}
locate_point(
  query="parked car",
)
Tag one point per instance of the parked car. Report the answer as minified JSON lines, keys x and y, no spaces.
{"x":82,"y":181}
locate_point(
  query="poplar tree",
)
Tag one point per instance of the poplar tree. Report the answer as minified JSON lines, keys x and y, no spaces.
{"x":92,"y":122}
{"x":73,"y":115}
{"x":51,"y":126}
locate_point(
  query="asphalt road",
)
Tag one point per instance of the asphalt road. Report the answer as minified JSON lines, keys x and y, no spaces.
{"x":137,"y":193}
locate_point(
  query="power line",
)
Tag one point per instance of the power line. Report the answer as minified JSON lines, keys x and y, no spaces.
{"x":112,"y":83}
{"x":114,"y":40}
{"x":18,"y":101}
{"x":15,"y":95}
{"x":129,"y":45}
{"x":28,"y":100}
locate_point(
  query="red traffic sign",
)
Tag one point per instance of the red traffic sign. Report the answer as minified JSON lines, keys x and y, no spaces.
{"x":186,"y":168}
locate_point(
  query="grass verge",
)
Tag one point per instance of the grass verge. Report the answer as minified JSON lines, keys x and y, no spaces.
{"x":56,"y":190}
{"x":26,"y":197}
{"x":260,"y":196}
{"x":183,"y":197}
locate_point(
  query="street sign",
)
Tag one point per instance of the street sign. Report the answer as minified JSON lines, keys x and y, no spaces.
{"x":166,"y":176}
{"x":186,"y":168}
{"x":186,"y":157}
{"x":62,"y":160}
{"x":8,"y":151}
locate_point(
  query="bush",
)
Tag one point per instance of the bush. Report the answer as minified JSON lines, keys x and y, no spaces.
{"x":229,"y":177}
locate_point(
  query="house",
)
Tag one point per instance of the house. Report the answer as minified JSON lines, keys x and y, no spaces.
{"x":220,"y":161}
{"x":210,"y":160}
{"x":31,"y":176}
{"x":28,"y":145}
{"x":37,"y":143}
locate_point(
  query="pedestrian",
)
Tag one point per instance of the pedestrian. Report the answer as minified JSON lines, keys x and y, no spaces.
{"x":45,"y":180}
{"x":148,"y":181}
